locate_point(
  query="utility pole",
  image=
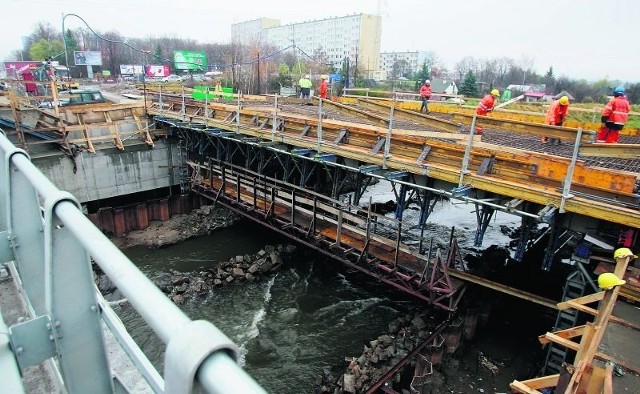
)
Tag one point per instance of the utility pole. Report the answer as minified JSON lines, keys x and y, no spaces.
{"x":258,"y":84}
{"x":346,"y":82}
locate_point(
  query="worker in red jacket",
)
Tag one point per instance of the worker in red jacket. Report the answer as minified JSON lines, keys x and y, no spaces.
{"x":614,"y":117}
{"x":323,"y":89}
{"x":425,"y":95}
{"x":556,"y":114}
{"x":487,"y":103}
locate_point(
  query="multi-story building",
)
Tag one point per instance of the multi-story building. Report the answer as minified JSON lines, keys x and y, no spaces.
{"x":356,"y":37}
{"x":408,"y":61}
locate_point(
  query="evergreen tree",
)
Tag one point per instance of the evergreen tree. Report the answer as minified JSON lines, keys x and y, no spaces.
{"x":423,"y":74}
{"x":550,"y":81}
{"x":469,"y":87}
{"x":157,"y":55}
{"x":72,"y":44}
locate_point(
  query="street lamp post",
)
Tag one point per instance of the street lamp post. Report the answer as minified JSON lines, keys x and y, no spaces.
{"x":64,"y":41}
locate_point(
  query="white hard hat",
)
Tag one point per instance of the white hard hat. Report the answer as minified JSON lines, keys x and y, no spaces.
{"x":427,"y":82}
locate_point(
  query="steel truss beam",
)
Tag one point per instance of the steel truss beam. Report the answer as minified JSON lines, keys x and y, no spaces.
{"x":296,"y":212}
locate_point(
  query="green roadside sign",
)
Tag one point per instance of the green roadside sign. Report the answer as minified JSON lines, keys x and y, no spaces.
{"x":190,"y":60}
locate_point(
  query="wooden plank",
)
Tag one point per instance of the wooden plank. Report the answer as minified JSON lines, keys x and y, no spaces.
{"x":582,"y":300}
{"x":566,"y":334}
{"x":520,"y":387}
{"x":542,"y":382}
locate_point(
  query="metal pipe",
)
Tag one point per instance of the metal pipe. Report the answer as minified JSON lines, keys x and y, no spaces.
{"x":566,"y":190}
{"x":467,"y":151}
{"x":387,"y":141}
{"x":319,"y":131}
{"x":275,"y":117}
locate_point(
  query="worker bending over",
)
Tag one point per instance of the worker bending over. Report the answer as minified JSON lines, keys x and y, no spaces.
{"x":487,"y":103}
{"x":557,"y":113}
{"x":614,"y":117}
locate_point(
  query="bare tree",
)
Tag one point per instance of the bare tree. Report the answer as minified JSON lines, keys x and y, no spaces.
{"x":466,"y":64}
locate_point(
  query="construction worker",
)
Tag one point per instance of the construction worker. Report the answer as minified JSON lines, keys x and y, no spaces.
{"x":323,"y":89}
{"x":305,"y":86}
{"x":614,"y":117}
{"x":556,"y":114}
{"x":425,"y":95}
{"x":487,"y":103}
{"x":217,"y":89}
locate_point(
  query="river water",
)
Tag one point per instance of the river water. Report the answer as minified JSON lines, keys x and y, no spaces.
{"x":309,"y":316}
{"x":288,"y":327}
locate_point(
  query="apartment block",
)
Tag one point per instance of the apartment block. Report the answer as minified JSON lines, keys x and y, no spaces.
{"x":356,"y":37}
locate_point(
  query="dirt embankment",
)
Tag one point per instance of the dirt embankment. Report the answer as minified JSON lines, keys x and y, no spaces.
{"x":178,"y":228}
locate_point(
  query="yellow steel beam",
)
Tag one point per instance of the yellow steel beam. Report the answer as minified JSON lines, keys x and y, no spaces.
{"x":436,"y":123}
{"x":354,"y":112}
{"x":622,"y":151}
{"x":532,"y":117}
{"x":564,"y":133}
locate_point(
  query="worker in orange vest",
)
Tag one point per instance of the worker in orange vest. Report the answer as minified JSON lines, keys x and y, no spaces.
{"x":614,"y":117}
{"x":487,"y":103}
{"x":425,"y":95}
{"x":323,"y":89}
{"x":556,"y":114}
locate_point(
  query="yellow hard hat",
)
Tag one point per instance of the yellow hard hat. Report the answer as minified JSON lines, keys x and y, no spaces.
{"x":324,"y":77}
{"x":564,"y":100}
{"x":623,"y":252}
{"x":608,"y":281}
{"x":495,"y":92}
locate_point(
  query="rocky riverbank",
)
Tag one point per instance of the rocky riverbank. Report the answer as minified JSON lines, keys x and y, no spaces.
{"x":178,"y":228}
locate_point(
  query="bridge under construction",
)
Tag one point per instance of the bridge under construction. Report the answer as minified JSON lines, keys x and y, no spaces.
{"x":302,"y":167}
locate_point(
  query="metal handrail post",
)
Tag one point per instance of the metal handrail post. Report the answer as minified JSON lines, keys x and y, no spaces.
{"x":387,"y":141}
{"x":467,"y":151}
{"x":566,"y":189}
{"x":24,"y":224}
{"x":275,"y":117}
{"x":319,"y":131}
{"x":72,"y":305}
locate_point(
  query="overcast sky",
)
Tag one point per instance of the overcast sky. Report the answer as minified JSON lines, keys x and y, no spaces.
{"x":590,"y":39}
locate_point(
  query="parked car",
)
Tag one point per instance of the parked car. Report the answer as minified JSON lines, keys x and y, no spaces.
{"x":172,"y":78}
{"x":76,"y":97}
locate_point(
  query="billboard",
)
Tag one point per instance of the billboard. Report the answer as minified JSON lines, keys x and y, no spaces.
{"x":87,"y":58}
{"x":130,"y":69}
{"x":16,"y":69}
{"x":190,"y":60}
{"x":157,"y":71}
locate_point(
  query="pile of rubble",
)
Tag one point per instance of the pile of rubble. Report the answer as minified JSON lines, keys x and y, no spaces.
{"x":381,"y":354}
{"x":182,"y":286}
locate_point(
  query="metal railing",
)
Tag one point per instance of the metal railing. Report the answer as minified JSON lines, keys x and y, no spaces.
{"x":48,"y":243}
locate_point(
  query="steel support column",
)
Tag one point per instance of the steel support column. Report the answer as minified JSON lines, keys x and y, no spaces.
{"x":400,"y":201}
{"x":484,"y":214}
{"x":426,"y":207}
{"x":526,"y":227}
{"x":550,"y":251}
